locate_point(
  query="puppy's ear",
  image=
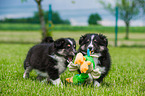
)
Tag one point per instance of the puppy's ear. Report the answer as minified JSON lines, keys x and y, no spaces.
{"x":74,"y":42}
{"x":105,"y":40}
{"x":59,"y":43}
{"x":82,"y":39}
{"x":47,"y":40}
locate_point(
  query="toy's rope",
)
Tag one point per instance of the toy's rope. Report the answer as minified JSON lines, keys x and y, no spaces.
{"x":88,"y":52}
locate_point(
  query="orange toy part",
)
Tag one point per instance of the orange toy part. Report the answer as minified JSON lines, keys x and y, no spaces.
{"x":70,"y":80}
{"x":84,"y":66}
{"x":79,"y":59}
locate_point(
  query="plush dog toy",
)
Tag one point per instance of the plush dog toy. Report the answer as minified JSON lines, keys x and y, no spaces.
{"x":86,"y":65}
{"x":80,"y":59}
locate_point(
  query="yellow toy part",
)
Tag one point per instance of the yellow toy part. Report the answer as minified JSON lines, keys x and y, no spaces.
{"x":84,"y":66}
{"x":70,"y":80}
{"x":79,"y":59}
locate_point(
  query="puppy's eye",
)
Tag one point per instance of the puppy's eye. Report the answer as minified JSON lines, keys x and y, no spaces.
{"x":87,"y":40}
{"x":95,"y":40}
{"x":68,"y":45}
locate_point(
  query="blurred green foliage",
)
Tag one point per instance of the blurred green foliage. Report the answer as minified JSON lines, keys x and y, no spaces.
{"x":94,"y":18}
{"x":56,"y":19}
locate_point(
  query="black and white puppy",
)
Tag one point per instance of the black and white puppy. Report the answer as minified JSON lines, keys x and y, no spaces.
{"x":50,"y":59}
{"x":97,"y":43}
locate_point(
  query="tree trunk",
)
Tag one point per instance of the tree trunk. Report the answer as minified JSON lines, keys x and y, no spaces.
{"x":41,"y":17}
{"x":127,"y":30}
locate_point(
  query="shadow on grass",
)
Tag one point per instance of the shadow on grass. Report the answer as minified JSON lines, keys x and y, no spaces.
{"x":103,"y":84}
{"x":106,"y":84}
{"x":66,"y":84}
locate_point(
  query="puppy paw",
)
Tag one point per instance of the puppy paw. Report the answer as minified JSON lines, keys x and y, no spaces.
{"x":96,"y":84}
{"x":25,"y":75}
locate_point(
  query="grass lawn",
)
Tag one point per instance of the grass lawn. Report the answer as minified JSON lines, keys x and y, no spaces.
{"x":137,"y":39}
{"x":126,"y":77}
{"x":91,"y":28}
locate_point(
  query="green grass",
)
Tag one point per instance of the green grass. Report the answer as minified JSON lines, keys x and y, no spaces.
{"x":36,"y":27}
{"x":35,"y":37}
{"x":126,"y":76}
{"x":20,"y":27}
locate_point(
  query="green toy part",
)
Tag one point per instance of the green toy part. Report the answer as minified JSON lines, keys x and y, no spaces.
{"x":89,"y":58}
{"x":80,"y":78}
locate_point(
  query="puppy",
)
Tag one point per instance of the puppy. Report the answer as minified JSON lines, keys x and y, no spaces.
{"x":50,"y":59}
{"x":97,"y":43}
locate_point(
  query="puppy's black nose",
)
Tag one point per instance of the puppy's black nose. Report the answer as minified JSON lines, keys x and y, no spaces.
{"x":90,"y":48}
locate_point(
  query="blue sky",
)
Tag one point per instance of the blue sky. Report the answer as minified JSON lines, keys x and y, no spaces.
{"x":77,"y":13}
{"x":16,"y":6}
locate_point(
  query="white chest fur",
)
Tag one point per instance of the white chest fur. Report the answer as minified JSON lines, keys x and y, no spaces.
{"x":60,"y":64}
{"x":102,"y":69}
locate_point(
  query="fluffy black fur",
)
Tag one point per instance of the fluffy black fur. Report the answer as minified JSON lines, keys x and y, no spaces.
{"x":47,"y":40}
{"x":50,"y":58}
{"x":97,"y":43}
